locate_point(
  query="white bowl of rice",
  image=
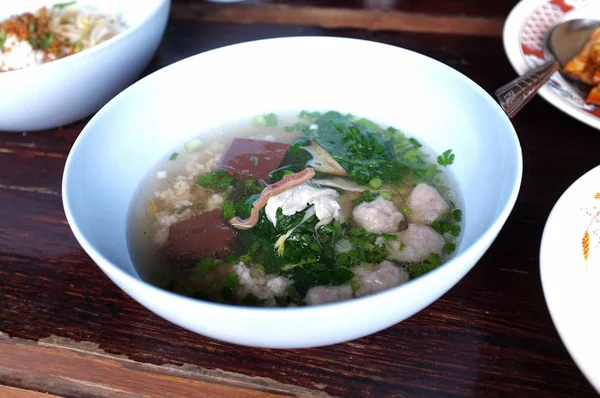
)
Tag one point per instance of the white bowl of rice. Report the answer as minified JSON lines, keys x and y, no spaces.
{"x":61,"y":62}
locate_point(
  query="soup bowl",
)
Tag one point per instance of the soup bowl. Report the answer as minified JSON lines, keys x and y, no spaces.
{"x":193,"y":97}
{"x":71,"y":88}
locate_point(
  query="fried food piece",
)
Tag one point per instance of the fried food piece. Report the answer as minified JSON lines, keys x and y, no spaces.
{"x":585,"y":67}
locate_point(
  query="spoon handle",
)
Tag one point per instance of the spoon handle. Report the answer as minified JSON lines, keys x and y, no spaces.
{"x":514,"y":95}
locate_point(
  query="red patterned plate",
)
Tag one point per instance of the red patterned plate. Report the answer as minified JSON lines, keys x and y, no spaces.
{"x":523,"y":36}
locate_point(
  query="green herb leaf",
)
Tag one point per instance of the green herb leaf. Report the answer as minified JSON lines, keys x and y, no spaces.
{"x":446,"y":158}
{"x":449,"y":248}
{"x":228,"y":209}
{"x":457,"y":214}
{"x":309,"y":115}
{"x":296,"y":127}
{"x":218,"y":179}
{"x":227,"y":293}
{"x":231,"y":280}
{"x":415,"y":143}
{"x":254,"y":160}
{"x":446,"y":226}
{"x":366,"y":196}
{"x":294,"y":161}
{"x":204,"y":266}
{"x":358,"y":146}
{"x":354,"y":286}
{"x":389,"y":236}
{"x":250,"y":300}
{"x":60,"y":6}
{"x":418,"y":269}
{"x":173,"y":156}
{"x":255,"y":246}
{"x":32,"y":28}
{"x":434,"y":259}
{"x":2,"y":40}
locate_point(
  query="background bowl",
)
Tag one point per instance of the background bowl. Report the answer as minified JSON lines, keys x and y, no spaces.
{"x":387,"y":84}
{"x":69,"y":89}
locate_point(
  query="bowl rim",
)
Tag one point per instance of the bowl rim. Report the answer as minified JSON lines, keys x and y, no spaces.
{"x":481,"y":244}
{"x":90,"y":51}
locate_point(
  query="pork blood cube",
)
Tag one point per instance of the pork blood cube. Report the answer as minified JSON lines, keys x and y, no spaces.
{"x":203,"y":235}
{"x":253,"y":159}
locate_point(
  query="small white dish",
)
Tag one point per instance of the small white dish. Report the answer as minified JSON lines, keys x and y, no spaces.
{"x":196,"y":96}
{"x":523,"y":37}
{"x":69,"y":89}
{"x":571,"y":281}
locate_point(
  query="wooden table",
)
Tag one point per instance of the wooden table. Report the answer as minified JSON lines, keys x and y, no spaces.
{"x":67,"y":330}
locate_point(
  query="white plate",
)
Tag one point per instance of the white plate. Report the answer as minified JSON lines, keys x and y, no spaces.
{"x":571,"y":281}
{"x":523,"y":36}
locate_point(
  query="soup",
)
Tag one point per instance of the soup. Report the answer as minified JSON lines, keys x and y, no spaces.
{"x":310,"y":210}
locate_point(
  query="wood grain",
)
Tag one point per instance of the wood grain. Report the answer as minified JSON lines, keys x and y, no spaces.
{"x":331,"y":17}
{"x":491,"y":335}
{"x":83,"y":370}
{"x":476,"y":8}
{"x":10,"y":392}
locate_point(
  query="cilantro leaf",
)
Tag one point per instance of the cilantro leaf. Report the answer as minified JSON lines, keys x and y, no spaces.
{"x":446,"y":158}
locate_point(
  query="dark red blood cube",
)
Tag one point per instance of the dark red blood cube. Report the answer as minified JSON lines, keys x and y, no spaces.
{"x":253,"y":159}
{"x":204,"y":235}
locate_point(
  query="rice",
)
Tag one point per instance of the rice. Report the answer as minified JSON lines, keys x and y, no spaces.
{"x":52,"y":33}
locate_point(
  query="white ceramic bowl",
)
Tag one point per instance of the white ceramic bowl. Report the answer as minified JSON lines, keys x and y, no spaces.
{"x":384,"y":83}
{"x":69,"y":89}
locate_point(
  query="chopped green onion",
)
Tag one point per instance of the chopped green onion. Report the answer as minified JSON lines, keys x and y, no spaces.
{"x":78,"y":47}
{"x":193,"y":145}
{"x":47,"y":40}
{"x":60,"y":6}
{"x":32,"y":27}
{"x":260,"y":267}
{"x":245,"y":258}
{"x":269,"y":120}
{"x":2,"y":40}
{"x":254,"y":160}
{"x":385,"y":195}
{"x":354,"y":286}
{"x":375,"y":183}
{"x":405,"y":210}
{"x":173,"y":156}
{"x":389,"y":236}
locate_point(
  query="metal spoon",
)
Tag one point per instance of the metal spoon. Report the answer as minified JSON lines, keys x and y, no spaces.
{"x":561,"y":44}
